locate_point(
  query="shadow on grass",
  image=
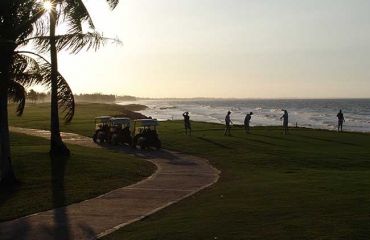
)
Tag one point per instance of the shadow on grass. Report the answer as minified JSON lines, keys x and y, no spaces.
{"x":253,"y":142}
{"x":276,"y":137}
{"x":60,"y":230}
{"x":9,"y":231}
{"x":59,"y":227}
{"x":214,"y":143}
{"x":150,"y":154}
{"x":328,"y":140}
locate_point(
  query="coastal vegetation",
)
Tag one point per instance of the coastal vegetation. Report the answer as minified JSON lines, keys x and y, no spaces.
{"x":74,"y":14}
{"x":37,"y":116}
{"x":41,"y":97}
{"x":25,"y":22}
{"x":95,"y":98}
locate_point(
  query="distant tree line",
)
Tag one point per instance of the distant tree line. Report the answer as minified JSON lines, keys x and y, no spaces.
{"x":126,"y":98}
{"x":95,"y":97}
{"x":99,"y":97}
{"x":35,"y":97}
{"x":40,"y":97}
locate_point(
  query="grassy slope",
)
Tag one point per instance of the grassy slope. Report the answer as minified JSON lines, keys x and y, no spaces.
{"x":38,"y":116}
{"x":308,"y":185}
{"x":88,"y":173}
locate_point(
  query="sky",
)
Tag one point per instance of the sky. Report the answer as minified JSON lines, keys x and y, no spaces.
{"x":227,"y":48}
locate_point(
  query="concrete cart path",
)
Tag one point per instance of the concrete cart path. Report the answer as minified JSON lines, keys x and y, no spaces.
{"x":177,"y":177}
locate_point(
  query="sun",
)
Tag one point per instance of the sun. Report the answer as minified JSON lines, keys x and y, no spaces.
{"x":48,"y":6}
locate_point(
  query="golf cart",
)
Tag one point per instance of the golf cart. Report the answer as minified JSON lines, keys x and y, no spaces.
{"x":119,"y":131}
{"x":145,"y":134}
{"x":101,"y":129}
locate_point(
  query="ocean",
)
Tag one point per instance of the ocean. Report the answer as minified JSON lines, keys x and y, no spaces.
{"x":313,"y":113}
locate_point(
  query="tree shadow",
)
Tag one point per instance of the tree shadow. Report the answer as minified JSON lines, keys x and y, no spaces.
{"x":61,"y":228}
{"x":254,"y":142}
{"x":214,"y":143}
{"x":20,"y":230}
{"x":6,"y":230}
{"x":56,"y":227}
{"x":275,"y":137}
{"x":7,"y":191}
{"x":172,"y":157}
{"x":327,"y":140}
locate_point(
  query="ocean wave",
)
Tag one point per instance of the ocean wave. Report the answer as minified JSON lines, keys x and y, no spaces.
{"x":309,"y":113}
{"x":167,"y":107}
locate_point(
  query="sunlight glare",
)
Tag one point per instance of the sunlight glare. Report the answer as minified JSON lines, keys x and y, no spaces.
{"x":48,"y":6}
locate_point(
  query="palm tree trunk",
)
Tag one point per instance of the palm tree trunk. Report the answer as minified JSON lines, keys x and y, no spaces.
{"x":57,"y":147}
{"x":7,"y":173}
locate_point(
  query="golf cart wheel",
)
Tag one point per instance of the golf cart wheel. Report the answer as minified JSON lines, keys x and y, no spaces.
{"x":142,"y":142}
{"x":129,"y":141}
{"x":114,"y":139}
{"x":158,"y":145}
{"x":100,"y":137}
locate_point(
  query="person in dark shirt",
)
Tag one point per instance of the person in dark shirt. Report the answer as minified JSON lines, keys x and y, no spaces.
{"x":285,"y":118}
{"x":187,"y":123}
{"x":247,"y":120}
{"x":228,"y":123}
{"x":340,"y":120}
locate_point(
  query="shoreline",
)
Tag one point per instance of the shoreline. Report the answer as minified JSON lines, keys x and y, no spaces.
{"x":317,"y":114}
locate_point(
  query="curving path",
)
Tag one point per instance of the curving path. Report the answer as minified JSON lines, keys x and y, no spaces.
{"x":177,"y":177}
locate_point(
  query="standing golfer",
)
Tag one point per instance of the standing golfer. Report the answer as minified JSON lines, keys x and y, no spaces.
{"x":187,"y":123}
{"x":285,"y":121}
{"x":340,"y":120}
{"x":247,"y":120}
{"x":228,"y":123}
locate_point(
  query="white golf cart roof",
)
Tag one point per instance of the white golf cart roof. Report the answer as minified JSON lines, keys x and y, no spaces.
{"x":103,"y":117}
{"x":120,"y":120}
{"x":146,"y":122}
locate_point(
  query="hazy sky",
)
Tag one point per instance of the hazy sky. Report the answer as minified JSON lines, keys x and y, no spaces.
{"x":228,"y":48}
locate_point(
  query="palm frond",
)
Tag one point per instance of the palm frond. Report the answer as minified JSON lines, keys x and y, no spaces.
{"x":75,"y":42}
{"x":43,"y":77}
{"x":23,"y":63}
{"x":25,"y":70}
{"x":65,"y":95}
{"x":29,"y":14}
{"x":113,"y":3}
{"x":17,"y":94}
{"x":75,"y":13}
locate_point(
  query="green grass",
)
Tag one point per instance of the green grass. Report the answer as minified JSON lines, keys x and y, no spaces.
{"x":310,"y":184}
{"x":85,"y":174}
{"x":38,"y":116}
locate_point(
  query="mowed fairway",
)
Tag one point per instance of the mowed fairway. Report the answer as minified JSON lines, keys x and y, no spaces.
{"x":310,"y":184}
{"x":38,"y":116}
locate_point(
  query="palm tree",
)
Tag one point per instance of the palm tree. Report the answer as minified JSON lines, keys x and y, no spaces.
{"x":75,"y":13}
{"x":17,"y":21}
{"x":27,"y":71}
